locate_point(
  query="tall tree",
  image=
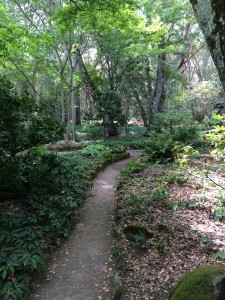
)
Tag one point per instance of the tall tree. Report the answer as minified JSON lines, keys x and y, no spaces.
{"x":210,"y":15}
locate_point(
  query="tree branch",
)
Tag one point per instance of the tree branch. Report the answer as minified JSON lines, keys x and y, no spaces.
{"x":187,"y":60}
{"x":25,"y":76}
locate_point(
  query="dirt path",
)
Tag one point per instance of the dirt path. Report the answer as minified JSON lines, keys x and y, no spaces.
{"x":78,"y":269}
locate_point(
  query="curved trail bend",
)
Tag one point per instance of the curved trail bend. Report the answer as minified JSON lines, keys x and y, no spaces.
{"x":78,"y":268}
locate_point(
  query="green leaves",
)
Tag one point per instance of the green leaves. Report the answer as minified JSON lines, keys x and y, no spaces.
{"x":220,"y":255}
{"x":216,"y":136}
{"x":13,"y":290}
{"x":53,"y":188}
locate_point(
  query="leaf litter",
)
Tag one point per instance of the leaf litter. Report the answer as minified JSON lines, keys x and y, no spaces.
{"x":186,"y":231}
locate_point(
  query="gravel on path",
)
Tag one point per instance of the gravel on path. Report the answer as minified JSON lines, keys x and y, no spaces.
{"x":77,"y":270}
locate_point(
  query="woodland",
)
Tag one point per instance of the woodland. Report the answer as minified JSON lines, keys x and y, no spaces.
{"x":81,"y":82}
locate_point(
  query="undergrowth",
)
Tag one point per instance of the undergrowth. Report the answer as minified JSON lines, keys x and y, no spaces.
{"x":51,"y":187}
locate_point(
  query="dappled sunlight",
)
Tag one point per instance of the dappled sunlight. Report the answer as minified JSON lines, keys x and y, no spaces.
{"x":178,"y":206}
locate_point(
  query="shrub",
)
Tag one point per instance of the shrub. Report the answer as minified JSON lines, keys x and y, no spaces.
{"x":160,"y":147}
{"x":170,"y":121}
{"x":214,"y":121}
{"x":44,"y":129}
{"x":182,"y":127}
{"x":216,"y":137}
{"x":19,"y":130}
{"x":13,"y":116}
{"x":92,"y":131}
{"x":185,"y":135}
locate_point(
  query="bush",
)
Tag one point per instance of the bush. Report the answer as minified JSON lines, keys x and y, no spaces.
{"x":186,"y":135}
{"x":181,"y":126}
{"x":216,"y":120}
{"x":170,"y":131}
{"x":20,"y":129}
{"x":216,"y":136}
{"x":44,"y":129}
{"x":160,"y":147}
{"x":92,"y":131}
{"x":170,"y":121}
{"x":14,"y":113}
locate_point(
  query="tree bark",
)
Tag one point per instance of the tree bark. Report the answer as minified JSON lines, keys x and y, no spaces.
{"x":211,"y":18}
{"x":159,"y":96}
{"x":141,"y":107}
{"x":78,"y":112}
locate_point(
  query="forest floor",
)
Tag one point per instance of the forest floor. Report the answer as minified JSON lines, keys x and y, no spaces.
{"x":184,"y":210}
{"x":81,"y":269}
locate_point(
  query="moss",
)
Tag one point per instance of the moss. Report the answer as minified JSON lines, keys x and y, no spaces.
{"x":200,"y":284}
{"x":134,"y":229}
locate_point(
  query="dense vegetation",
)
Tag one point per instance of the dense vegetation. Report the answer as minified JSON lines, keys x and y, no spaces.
{"x":172,"y":219}
{"x":81,"y":82}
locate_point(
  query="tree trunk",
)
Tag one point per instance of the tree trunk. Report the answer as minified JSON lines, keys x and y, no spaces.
{"x":159,"y":96}
{"x":141,"y":107}
{"x":63,"y":117}
{"x":78,"y":112}
{"x":72,"y":101}
{"x":211,"y":19}
{"x":110,"y":127}
{"x":126,"y":108}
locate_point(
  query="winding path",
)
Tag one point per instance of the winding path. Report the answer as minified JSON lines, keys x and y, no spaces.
{"x":78,"y":270}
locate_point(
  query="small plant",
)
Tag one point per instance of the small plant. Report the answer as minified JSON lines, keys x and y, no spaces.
{"x":222,"y":200}
{"x":159,"y":194}
{"x":122,"y":213}
{"x":137,"y":275}
{"x":13,"y":290}
{"x":181,"y":180}
{"x":132,"y":167}
{"x":117,"y":251}
{"x":204,"y":239}
{"x":136,"y":200}
{"x":216,"y":137}
{"x":183,"y":154}
{"x":150,"y":216}
{"x":218,"y":214}
{"x":171,"y":179}
{"x":140,"y":238}
{"x":173,"y":206}
{"x":159,"y":247}
{"x":203,"y":199}
{"x":191,"y":205}
{"x":220,"y":255}
{"x":118,"y":294}
{"x":94,"y":150}
{"x":137,"y":233}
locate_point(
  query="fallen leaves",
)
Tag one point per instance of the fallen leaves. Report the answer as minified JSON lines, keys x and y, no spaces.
{"x":190,"y":237}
